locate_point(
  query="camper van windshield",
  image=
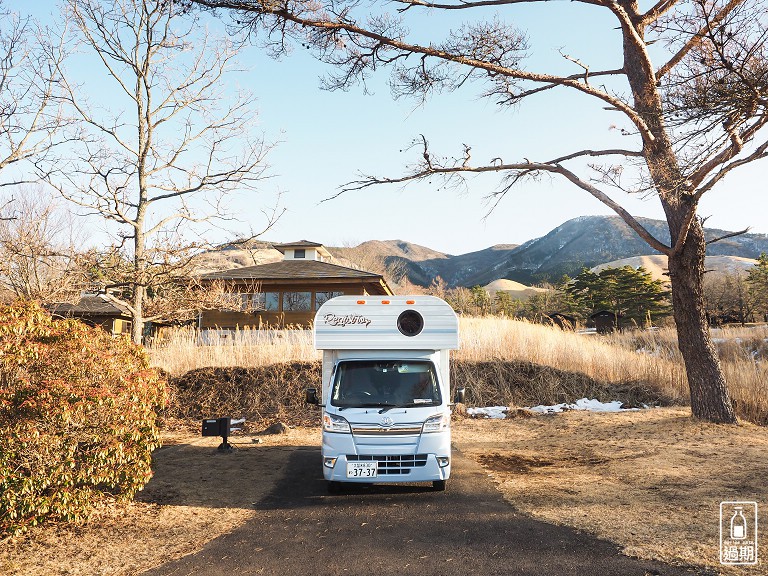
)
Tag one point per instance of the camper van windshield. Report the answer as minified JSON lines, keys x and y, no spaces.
{"x":395,"y":384}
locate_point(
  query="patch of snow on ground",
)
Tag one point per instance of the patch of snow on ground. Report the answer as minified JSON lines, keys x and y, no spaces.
{"x":488,"y":412}
{"x":583,"y":404}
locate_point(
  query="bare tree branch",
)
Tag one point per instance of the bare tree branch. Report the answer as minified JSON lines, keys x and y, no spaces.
{"x":729,"y":235}
{"x":177,"y":135}
{"x":696,"y":38}
{"x":32,"y":123}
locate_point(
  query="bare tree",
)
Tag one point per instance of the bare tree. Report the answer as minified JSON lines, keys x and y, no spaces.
{"x":38,"y":249}
{"x":174,"y":139}
{"x":691,"y":118}
{"x":728,"y":297}
{"x":367,"y":257}
{"x":32,"y":125}
{"x":175,"y":292}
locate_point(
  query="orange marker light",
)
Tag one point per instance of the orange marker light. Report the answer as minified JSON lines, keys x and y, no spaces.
{"x":410,"y":301}
{"x":385,"y":301}
{"x":361,"y":301}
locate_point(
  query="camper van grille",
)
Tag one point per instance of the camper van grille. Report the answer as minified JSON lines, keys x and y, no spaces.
{"x":396,"y":430}
{"x":392,"y":463}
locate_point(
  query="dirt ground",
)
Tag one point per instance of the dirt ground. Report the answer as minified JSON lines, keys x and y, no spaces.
{"x":650,"y":481}
{"x":196,"y":495}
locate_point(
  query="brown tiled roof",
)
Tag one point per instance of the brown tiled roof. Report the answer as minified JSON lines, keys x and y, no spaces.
{"x":292,"y":270}
{"x":299,"y":244}
{"x":95,"y":305}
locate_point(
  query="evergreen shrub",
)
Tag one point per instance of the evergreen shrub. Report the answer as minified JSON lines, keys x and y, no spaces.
{"x":77,"y":418}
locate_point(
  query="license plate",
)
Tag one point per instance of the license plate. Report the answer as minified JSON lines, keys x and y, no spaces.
{"x":362,"y":469}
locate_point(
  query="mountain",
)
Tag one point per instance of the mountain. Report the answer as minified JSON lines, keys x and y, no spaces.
{"x":515,"y":289}
{"x":422,"y":265}
{"x":591,"y":240}
{"x":587,"y":241}
{"x":236,"y":255}
{"x":398,"y":257}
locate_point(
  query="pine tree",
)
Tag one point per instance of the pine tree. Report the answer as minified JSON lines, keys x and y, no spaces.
{"x":630,"y":294}
{"x":757,"y":280}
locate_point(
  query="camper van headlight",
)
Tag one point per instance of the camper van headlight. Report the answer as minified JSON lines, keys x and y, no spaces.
{"x":333,"y":423}
{"x":436,"y":423}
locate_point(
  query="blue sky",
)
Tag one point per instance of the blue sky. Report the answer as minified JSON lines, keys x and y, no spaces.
{"x":325,"y":138}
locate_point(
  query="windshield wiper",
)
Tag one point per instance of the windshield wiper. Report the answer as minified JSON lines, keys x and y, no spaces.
{"x":388,"y":407}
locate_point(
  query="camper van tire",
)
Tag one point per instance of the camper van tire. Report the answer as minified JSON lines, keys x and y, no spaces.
{"x":438,"y":485}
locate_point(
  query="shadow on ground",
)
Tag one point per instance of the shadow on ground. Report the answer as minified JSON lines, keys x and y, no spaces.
{"x":299,"y":529}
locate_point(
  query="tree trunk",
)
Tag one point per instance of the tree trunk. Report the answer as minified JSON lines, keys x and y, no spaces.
{"x":709,"y":394}
{"x":137,"y":320}
{"x":139,"y":275}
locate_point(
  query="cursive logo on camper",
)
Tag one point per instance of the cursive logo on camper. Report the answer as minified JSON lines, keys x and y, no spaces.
{"x":346,"y":320}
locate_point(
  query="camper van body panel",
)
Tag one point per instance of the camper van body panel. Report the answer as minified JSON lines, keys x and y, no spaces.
{"x":355,"y":322}
{"x":389,"y":438}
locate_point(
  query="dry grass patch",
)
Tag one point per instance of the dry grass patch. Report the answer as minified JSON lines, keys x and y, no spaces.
{"x":262,"y":394}
{"x":568,"y":363}
{"x":743,"y":352}
{"x":182,"y":349}
{"x":651,"y":480}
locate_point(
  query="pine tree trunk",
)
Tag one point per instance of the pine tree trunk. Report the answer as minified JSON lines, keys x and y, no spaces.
{"x":709,"y":394}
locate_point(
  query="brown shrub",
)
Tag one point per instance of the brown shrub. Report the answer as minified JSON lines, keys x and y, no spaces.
{"x":259,"y":394}
{"x":520,"y":383}
{"x":276,"y":392}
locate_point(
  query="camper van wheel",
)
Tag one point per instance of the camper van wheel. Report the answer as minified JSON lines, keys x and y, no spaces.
{"x":334,"y":487}
{"x":438,"y":485}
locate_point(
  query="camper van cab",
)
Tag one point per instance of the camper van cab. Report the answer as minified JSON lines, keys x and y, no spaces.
{"x":386,"y":388}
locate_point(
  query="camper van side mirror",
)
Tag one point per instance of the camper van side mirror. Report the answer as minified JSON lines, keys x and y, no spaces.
{"x":311,"y":396}
{"x":459,"y":398}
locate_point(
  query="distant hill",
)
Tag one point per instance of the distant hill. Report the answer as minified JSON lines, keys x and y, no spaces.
{"x":422,"y":265}
{"x":419,"y":263}
{"x":584,"y":242}
{"x":515,"y":289}
{"x":231,"y":256}
{"x":656,"y":264}
{"x":588,"y":241}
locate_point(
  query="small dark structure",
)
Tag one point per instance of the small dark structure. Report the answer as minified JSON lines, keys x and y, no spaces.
{"x":96,"y":310}
{"x":563,"y":321}
{"x":606,"y":321}
{"x":222,"y":427}
{"x":219,"y":427}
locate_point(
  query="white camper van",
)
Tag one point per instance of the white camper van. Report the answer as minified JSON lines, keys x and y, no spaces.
{"x":386,"y":388}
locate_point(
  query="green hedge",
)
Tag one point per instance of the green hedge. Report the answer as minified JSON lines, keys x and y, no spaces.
{"x":77,"y":418}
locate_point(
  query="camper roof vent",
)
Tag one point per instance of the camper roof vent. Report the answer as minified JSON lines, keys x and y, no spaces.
{"x":410,"y":323}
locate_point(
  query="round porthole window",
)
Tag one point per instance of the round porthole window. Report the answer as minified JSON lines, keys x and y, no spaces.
{"x":410,"y":323}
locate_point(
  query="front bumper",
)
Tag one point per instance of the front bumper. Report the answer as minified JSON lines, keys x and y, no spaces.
{"x":392,"y":469}
{"x":415,"y":458}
